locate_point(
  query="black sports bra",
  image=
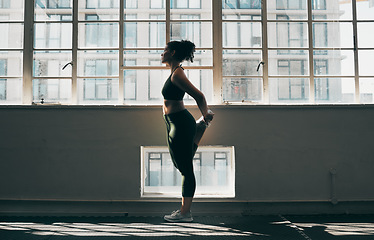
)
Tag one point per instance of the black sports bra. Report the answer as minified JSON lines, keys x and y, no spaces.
{"x":170,"y":91}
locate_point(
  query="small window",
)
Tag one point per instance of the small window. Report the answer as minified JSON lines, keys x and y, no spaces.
{"x":214,"y":169}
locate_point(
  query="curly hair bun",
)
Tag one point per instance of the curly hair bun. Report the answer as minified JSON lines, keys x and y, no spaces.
{"x":184,"y":50}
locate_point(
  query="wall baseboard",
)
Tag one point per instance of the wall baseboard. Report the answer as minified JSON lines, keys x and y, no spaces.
{"x":159,"y":208}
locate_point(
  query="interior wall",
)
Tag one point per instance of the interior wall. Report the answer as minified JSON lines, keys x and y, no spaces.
{"x":283,"y":153}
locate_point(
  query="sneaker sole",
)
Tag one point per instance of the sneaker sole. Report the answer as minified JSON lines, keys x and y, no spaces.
{"x":179,"y":220}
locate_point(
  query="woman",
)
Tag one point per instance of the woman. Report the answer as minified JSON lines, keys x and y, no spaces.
{"x":181,"y":126}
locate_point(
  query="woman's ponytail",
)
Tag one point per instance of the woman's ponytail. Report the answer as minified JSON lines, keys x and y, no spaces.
{"x":184,"y":50}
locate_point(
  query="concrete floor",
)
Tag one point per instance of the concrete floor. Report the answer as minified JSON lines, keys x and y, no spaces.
{"x":317,"y":227}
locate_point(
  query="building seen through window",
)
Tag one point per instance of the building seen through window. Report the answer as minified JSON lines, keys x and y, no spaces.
{"x":213,"y":169}
{"x":115,"y":53}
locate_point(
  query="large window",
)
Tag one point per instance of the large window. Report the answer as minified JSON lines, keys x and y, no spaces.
{"x":52,"y":49}
{"x":108,"y":51}
{"x":147,"y":29}
{"x":11,"y":51}
{"x":213,"y":168}
{"x":242,"y":51}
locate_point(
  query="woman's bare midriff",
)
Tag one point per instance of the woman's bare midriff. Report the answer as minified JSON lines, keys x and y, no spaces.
{"x":173,"y":106}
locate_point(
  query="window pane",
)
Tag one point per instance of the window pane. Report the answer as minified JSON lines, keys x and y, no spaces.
{"x":337,"y":35}
{"x":158,"y":4}
{"x":98,"y":10}
{"x":289,"y":90}
{"x":53,"y":35}
{"x":250,"y":4}
{"x":10,"y":90}
{"x":241,"y":34}
{"x":144,"y":9}
{"x":11,"y":63}
{"x":319,"y":4}
{"x":334,"y":62}
{"x":12,"y":35}
{"x":98,"y":63}
{"x":178,"y":4}
{"x":241,"y":62}
{"x":50,"y":63}
{"x":365,"y":10}
{"x":366,"y":90}
{"x":365,"y":35}
{"x":98,"y":35}
{"x":51,"y":90}
{"x":98,"y":91}
{"x":144,"y":86}
{"x":334,"y":90}
{"x":182,"y":9}
{"x":332,"y":10}
{"x":288,"y":62}
{"x":130,"y":35}
{"x":130,"y":87}
{"x":288,"y":35}
{"x":99,"y":4}
{"x":143,"y":57}
{"x":293,"y":9}
{"x":143,"y":34}
{"x":242,"y":89}
{"x":228,"y":5}
{"x":131,"y":4}
{"x":197,"y":3}
{"x":365,"y":60}
{"x":231,"y":9}
{"x":11,"y":10}
{"x":45,"y":10}
{"x":157,"y":35}
{"x":199,"y":33}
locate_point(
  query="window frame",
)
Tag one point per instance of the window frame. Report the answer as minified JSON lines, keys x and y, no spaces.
{"x":227,"y":191}
{"x":217,"y":20}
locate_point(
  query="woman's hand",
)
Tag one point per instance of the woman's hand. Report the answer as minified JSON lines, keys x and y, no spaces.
{"x":208,"y":117}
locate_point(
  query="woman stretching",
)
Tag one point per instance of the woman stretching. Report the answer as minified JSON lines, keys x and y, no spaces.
{"x":182,"y":135}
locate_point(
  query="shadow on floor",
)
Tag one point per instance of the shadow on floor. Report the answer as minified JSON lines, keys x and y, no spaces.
{"x":339,"y":227}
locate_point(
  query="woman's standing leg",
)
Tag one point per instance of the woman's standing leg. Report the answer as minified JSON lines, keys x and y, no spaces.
{"x":201,"y":126}
{"x":181,"y":133}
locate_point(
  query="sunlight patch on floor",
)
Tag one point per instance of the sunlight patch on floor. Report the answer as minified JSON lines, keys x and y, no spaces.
{"x":123,"y":229}
{"x":341,"y":229}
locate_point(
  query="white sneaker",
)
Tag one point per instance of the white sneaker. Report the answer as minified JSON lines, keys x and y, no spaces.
{"x":177,"y":216}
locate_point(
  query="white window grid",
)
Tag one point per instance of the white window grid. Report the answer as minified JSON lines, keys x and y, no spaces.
{"x":217,"y":53}
{"x":221,"y":183}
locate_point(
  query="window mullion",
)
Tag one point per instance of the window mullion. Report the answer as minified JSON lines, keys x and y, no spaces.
{"x":265,"y":56}
{"x":27,"y":51}
{"x":355,"y":52}
{"x":167,"y":27}
{"x":74,"y":83}
{"x":217,"y":53}
{"x":310,"y":48}
{"x":121,"y":94}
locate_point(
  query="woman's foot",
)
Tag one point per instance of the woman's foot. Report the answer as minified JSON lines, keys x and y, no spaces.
{"x":177,"y":216}
{"x":201,"y":126}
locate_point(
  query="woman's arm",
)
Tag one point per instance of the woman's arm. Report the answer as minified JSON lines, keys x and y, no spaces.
{"x":180,"y":80}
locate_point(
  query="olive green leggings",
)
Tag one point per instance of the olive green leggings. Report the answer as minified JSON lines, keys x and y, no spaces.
{"x":181,"y":129}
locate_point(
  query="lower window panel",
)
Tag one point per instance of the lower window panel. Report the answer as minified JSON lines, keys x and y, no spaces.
{"x":214,"y":168}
